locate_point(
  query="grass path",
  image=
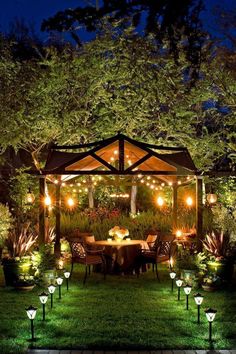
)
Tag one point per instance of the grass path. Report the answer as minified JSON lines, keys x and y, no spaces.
{"x":122,"y":312}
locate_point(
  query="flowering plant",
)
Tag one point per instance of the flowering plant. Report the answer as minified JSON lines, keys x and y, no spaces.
{"x":119,"y":233}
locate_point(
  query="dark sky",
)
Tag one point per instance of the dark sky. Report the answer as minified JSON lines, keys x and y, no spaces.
{"x":34,"y":11}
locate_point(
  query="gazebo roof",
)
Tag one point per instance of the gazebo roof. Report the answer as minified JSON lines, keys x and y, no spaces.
{"x":119,"y":155}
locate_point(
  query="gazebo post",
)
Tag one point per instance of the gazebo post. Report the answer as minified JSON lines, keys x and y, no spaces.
{"x":57,"y":246}
{"x":174,"y":206}
{"x":199,"y":212}
{"x":42,"y":210}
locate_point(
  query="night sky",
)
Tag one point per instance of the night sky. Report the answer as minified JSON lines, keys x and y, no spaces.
{"x":34,"y":11}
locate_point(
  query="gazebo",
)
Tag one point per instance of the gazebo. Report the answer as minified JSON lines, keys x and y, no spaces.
{"x":122,"y":156}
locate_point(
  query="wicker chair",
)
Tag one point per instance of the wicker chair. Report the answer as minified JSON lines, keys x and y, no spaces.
{"x":161,"y":253}
{"x":89,"y":257}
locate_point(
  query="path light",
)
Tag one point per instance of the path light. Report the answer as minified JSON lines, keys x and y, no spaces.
{"x":31,"y":313}
{"x":187,"y":290}
{"x":198,"y":299}
{"x":179,"y":283}
{"x":43,"y":297}
{"x":67,"y":276}
{"x":51,"y":290}
{"x":210,"y":315}
{"x":59,"y":281}
{"x":172,"y":277}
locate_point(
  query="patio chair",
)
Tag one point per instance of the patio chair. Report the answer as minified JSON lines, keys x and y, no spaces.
{"x":89,"y":257}
{"x":163,"y":251}
{"x":152,"y":240}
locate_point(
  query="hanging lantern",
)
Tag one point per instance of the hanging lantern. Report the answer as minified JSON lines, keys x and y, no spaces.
{"x":189,"y":201}
{"x":211,"y":198}
{"x":47,"y":201}
{"x":30,"y":198}
{"x":160,"y":201}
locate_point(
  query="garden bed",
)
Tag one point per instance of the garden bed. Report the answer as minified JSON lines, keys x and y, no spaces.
{"x":122,"y":312}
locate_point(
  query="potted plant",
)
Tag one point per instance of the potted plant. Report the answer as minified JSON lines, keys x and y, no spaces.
{"x":187,"y":263}
{"x":18,"y":261}
{"x":211,"y":282}
{"x":219,"y":250}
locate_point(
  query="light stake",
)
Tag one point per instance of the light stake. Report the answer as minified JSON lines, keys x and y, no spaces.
{"x":210,"y":315}
{"x":43,"y":297}
{"x":198,"y":299}
{"x":172,"y":277}
{"x":31,"y":313}
{"x":51,"y":290}
{"x":59,"y":281}
{"x":187,"y":290}
{"x":179,"y":283}
{"x":67,"y":276}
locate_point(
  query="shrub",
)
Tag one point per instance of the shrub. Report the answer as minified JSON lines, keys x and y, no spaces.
{"x":5,"y":223}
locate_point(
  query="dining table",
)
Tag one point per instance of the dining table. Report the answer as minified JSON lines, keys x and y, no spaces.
{"x":121,"y":255}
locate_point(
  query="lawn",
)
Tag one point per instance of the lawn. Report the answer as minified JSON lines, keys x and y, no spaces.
{"x":122,"y":312}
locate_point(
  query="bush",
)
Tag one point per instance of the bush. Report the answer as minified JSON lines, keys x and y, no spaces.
{"x":5,"y":223}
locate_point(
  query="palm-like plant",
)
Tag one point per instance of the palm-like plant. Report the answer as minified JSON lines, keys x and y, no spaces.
{"x":217,"y":244}
{"x":19,"y":243}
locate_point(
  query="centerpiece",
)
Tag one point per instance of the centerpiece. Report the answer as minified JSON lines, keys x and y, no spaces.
{"x":118,"y":233}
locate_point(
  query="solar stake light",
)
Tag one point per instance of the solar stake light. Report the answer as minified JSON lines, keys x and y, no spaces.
{"x":210,"y":315}
{"x":179,"y":283}
{"x":31,"y":313}
{"x":59,"y":281}
{"x":51,"y":290}
{"x":43,"y":297}
{"x":198,"y":299}
{"x":67,"y":276}
{"x":172,"y":277}
{"x":187,"y":290}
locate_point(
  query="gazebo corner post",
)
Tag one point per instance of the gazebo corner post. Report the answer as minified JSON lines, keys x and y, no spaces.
{"x":199,"y":211}
{"x":42,"y":210}
{"x":57,"y":246}
{"x":174,"y":206}
{"x":133,"y":196}
{"x":90,"y":192}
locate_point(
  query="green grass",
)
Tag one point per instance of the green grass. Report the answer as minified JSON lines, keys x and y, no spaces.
{"x":122,"y":312}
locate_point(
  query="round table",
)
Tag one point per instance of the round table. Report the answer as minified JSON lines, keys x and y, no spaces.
{"x":121,"y":255}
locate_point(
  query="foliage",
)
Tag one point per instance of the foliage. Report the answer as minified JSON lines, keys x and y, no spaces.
{"x":46,"y":258}
{"x":186,"y":259}
{"x":225,"y":220}
{"x":5,"y":223}
{"x":217,"y":245}
{"x":20,"y":242}
{"x":212,"y":280}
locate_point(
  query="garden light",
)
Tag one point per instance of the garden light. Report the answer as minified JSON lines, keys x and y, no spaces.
{"x":179,"y":233}
{"x":198,"y":299}
{"x":189,"y":201}
{"x":211,"y":198}
{"x":171,"y":263}
{"x":31,"y":313}
{"x":172,"y":277}
{"x":30,"y":197}
{"x":59,"y":281}
{"x":67,"y":276}
{"x":47,"y":201}
{"x":179,"y":283}
{"x":187,"y":290}
{"x":70,"y":202}
{"x":210,"y":315}
{"x":160,"y":201}
{"x":51,"y":290}
{"x":43,"y":297}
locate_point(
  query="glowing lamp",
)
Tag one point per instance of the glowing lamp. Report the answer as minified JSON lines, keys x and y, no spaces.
{"x":198,"y":299}
{"x":31,"y":313}
{"x":172,"y":277}
{"x":179,"y":233}
{"x":211,"y":198}
{"x":51,"y":290}
{"x":210,"y":315}
{"x":43,"y":297}
{"x":47,"y":201}
{"x":189,"y":201}
{"x":59,"y":281}
{"x":30,"y":198}
{"x":67,"y":276}
{"x":70,"y":202}
{"x":160,"y":201}
{"x":179,"y":283}
{"x":187,"y":290}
